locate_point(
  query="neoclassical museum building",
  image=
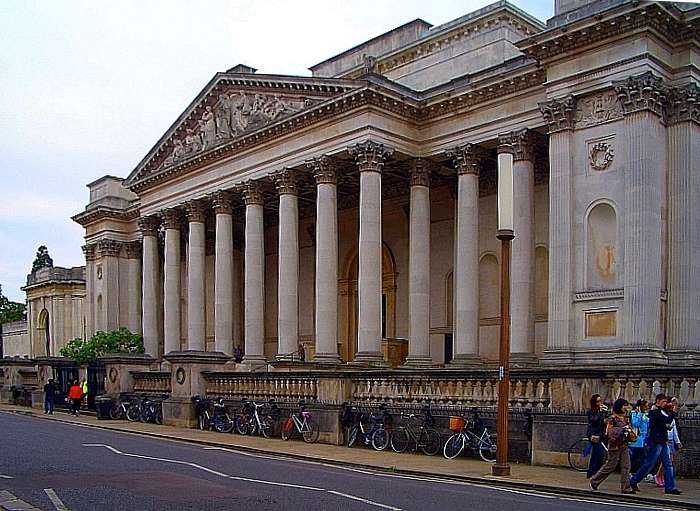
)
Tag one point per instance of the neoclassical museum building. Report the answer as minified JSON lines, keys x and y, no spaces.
{"x":354,"y":211}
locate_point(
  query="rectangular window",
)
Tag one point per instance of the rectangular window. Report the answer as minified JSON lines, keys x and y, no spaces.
{"x":601,"y":323}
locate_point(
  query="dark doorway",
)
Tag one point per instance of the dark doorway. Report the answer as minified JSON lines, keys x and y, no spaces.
{"x":448,"y":348}
{"x":96,"y":383}
{"x":64,"y":375}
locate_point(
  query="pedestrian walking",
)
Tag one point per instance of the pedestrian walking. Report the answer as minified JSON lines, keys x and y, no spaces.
{"x":674,"y":440}
{"x":639,"y":420}
{"x":619,"y":433}
{"x":75,"y":395}
{"x":660,"y":423}
{"x":84,"y":388}
{"x":49,"y":396}
{"x":595,"y":433}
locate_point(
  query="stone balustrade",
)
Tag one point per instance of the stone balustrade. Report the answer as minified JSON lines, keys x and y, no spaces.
{"x":279,"y":386}
{"x":152,"y":382}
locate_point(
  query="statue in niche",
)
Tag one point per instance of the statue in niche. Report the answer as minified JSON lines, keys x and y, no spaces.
{"x":208,"y":128}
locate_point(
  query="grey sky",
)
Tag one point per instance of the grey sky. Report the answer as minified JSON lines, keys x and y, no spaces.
{"x":87,"y":87}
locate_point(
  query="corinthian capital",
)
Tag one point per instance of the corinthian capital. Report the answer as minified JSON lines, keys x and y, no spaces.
{"x":196,"y":210}
{"x":370,"y":155}
{"x":133,"y":249}
{"x":683,"y":104}
{"x":109,"y":248}
{"x":89,"y":251}
{"x":252,"y":193}
{"x":286,"y":182}
{"x":520,"y":143}
{"x":559,"y":113}
{"x":419,"y":173}
{"x":642,"y":92}
{"x":172,"y":218}
{"x":324,"y":169}
{"x":466,"y":158}
{"x":222,"y":202}
{"x":148,"y":225}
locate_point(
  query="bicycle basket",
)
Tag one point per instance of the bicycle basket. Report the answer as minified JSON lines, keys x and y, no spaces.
{"x":457,"y":423}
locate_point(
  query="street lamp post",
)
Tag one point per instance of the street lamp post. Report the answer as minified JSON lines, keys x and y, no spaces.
{"x":505,"y":234}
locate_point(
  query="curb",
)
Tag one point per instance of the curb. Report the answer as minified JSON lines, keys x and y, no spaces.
{"x":634,"y":500}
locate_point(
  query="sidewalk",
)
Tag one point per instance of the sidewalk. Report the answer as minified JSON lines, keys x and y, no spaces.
{"x":561,"y":480}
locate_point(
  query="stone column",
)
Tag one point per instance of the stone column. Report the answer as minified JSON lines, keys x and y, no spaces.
{"x":133,"y":252}
{"x":642,"y":99}
{"x":521,"y":145}
{"x":196,"y":317}
{"x":558,"y":114}
{"x":151,"y":282}
{"x":326,"y":320}
{"x":223,"y":274}
{"x":467,"y":161}
{"x":108,"y":251}
{"x":172,"y":288}
{"x":370,"y":157}
{"x":419,"y":267}
{"x":683,"y":344}
{"x":254,"y":275}
{"x":89,"y":251}
{"x":288,"y":264}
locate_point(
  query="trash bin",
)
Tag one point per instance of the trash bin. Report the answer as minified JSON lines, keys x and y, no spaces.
{"x":103,"y":404}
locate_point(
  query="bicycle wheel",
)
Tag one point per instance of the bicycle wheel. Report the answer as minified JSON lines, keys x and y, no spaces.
{"x":400,"y":440}
{"x":487,"y":448}
{"x":158,"y":418}
{"x":311,"y":434}
{"x":203,"y":422}
{"x":431,"y":442}
{"x":115,"y":412}
{"x":266,"y":427}
{"x":454,"y":446}
{"x":242,"y":425}
{"x":580,"y":454}
{"x":223,"y":423}
{"x":352,"y":438}
{"x":380,"y":439}
{"x":133,"y":413}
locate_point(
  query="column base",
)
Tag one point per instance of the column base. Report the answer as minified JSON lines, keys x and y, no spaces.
{"x":683,"y":357}
{"x":554,"y":357}
{"x":327,"y":358}
{"x":466,"y":360}
{"x":642,"y":355}
{"x":500,"y":470}
{"x":418,"y":361}
{"x":523,"y":360}
{"x":369,"y":358}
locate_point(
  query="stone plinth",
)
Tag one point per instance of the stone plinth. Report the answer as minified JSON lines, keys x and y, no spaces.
{"x":118,"y":368}
{"x":187,"y":381}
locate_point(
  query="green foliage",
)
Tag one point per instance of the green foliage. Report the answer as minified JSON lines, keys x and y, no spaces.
{"x":42,"y":259}
{"x":116,"y":341}
{"x":10,"y":311}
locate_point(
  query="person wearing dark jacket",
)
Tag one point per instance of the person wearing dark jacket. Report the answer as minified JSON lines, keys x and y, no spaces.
{"x":595,"y":433}
{"x":660,"y":423}
{"x":49,"y":396}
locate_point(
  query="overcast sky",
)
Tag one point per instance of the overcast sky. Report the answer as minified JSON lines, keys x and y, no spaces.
{"x":87,"y":88}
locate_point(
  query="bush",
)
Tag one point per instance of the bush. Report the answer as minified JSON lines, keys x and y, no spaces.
{"x":116,"y":341}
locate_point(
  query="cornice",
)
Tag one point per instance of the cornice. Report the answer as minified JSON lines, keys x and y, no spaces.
{"x":595,"y":29}
{"x":98,"y":213}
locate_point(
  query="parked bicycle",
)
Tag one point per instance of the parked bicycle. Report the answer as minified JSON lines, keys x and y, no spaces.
{"x":579,"y":453}
{"x":261,"y":420}
{"x":212,"y":414}
{"x":119,"y":409}
{"x":374,"y":430}
{"x":467,"y":435}
{"x":302,"y":424}
{"x":421,"y":436}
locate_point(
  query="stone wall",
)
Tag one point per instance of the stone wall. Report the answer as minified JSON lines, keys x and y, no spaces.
{"x":15,"y":339}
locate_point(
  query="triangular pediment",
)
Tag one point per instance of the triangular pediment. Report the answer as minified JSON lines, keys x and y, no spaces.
{"x":231,"y":107}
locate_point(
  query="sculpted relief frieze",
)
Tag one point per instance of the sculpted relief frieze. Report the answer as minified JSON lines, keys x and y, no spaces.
{"x":597,"y":109}
{"x":234,"y":114}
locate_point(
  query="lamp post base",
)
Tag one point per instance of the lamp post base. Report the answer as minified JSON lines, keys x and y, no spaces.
{"x":500,"y":470}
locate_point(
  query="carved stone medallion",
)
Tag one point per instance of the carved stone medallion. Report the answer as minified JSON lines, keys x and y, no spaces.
{"x":113,"y":374}
{"x":180,"y":376}
{"x":601,"y":155}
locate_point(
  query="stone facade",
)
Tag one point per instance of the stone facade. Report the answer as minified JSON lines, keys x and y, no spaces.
{"x":355,"y":210}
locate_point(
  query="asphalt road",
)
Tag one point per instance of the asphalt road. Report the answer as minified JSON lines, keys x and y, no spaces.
{"x":86,"y":469}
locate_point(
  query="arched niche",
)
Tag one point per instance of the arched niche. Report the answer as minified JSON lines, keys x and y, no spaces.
{"x":42,"y":324}
{"x":602,"y":249}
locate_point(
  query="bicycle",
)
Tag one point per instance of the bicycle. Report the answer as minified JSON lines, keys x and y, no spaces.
{"x":465,"y":437}
{"x":424,"y":437}
{"x":218,"y":419}
{"x":579,"y":453}
{"x":135,"y":409}
{"x":151,"y":411}
{"x":378,"y":434}
{"x":302,"y":424}
{"x":118,"y":410}
{"x":258,"y":421}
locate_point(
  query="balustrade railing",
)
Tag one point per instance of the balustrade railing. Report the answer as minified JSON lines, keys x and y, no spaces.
{"x":281,"y":386}
{"x":151,"y":382}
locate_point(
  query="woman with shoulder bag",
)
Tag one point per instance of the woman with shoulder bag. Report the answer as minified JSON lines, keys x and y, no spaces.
{"x":619,"y":434}
{"x":595,"y":430}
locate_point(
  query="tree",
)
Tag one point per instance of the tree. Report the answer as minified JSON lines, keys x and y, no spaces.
{"x":9,"y":310}
{"x":42,"y":259}
{"x":116,"y":341}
